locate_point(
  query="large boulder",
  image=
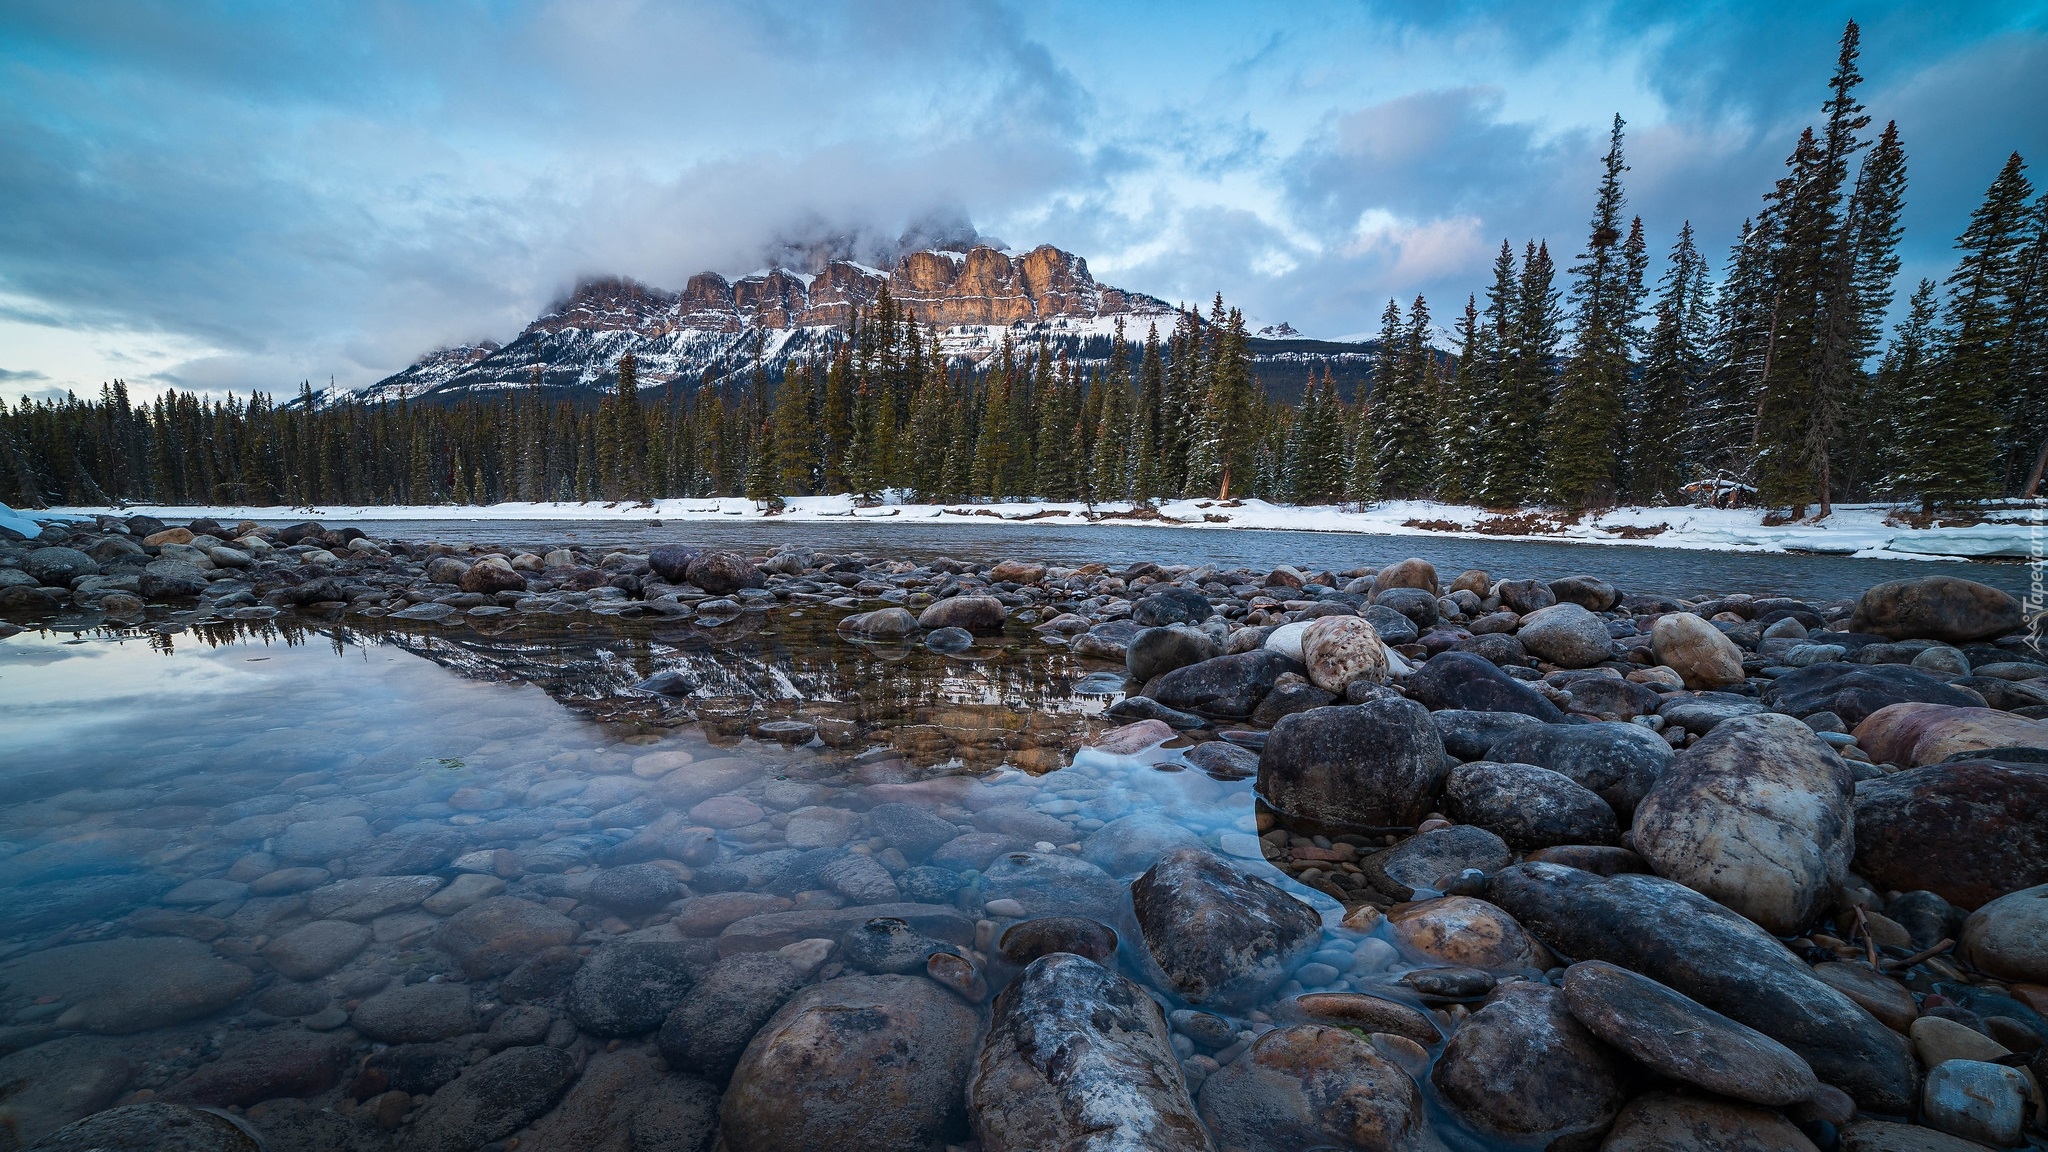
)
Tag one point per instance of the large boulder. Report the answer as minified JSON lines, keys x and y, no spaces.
{"x":1854,"y":691}
{"x":1340,"y":649}
{"x":882,"y":624}
{"x":2009,"y":936}
{"x":1527,"y":806}
{"x":1155,"y":651}
{"x":1679,"y":1037}
{"x":1077,"y":1057}
{"x":1372,"y":765}
{"x":491,"y":1100}
{"x":1216,"y":935}
{"x":1757,"y":815}
{"x":172,"y":580}
{"x":1523,"y":1068}
{"x":1171,"y":604}
{"x":710,"y":1027}
{"x":1311,"y":1086}
{"x":490,"y":575}
{"x":671,"y":562}
{"x":861,"y":1063}
{"x":1588,"y":592}
{"x":1687,"y":942}
{"x":983,"y":615}
{"x":1702,"y":655}
{"x":1970,"y":831}
{"x":1913,"y":735}
{"x":1566,"y":635}
{"x":1474,"y":683}
{"x":1410,"y":573}
{"x":1936,"y":608}
{"x":1223,"y":688}
{"x":723,"y":573}
{"x":1620,"y":763}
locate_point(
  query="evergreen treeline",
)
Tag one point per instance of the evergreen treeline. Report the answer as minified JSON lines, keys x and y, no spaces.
{"x":1774,"y":384}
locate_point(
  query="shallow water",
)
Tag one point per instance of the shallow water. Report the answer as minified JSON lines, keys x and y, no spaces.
{"x":176,"y":783}
{"x":1634,"y":568}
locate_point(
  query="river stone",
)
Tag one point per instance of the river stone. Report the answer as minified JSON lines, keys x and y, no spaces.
{"x":1465,"y":681}
{"x":1588,"y":592}
{"x":1881,"y":996}
{"x":1978,"y":1101}
{"x":1700,"y":714}
{"x":886,"y":946}
{"x":1854,"y":691}
{"x":369,"y":897}
{"x":1372,"y":765}
{"x":416,"y":1013}
{"x":1469,"y":735}
{"x":1521,"y":1067}
{"x":911,"y":829}
{"x":171,"y":580}
{"x":1466,"y":933}
{"x":491,"y":1100}
{"x":1171,"y":605}
{"x":1618,"y":762}
{"x":1413,"y":572}
{"x":681,"y":1115}
{"x":1687,"y":942}
{"x":723,"y":573}
{"x":152,"y":1127}
{"x":1663,"y":1122}
{"x":1757,"y":815}
{"x":1527,"y":806}
{"x":1027,"y":940}
{"x":1525,"y":596}
{"x":1970,"y":831}
{"x":1079,"y":1058}
{"x":492,"y":937}
{"x":53,"y":1083}
{"x":1156,"y":651}
{"x":265,"y":1066}
{"x":491,"y":575}
{"x":318,"y":841}
{"x":1050,"y":884}
{"x":1223,"y":760}
{"x":1936,"y":608}
{"x":1222,"y":688}
{"x":1130,"y":844}
{"x":597,"y":1113}
{"x":709,"y":1028}
{"x":2008,"y":937}
{"x":857,"y":1064}
{"x":1368,"y":1013}
{"x":635,"y":889}
{"x":1392,"y":627}
{"x":1340,"y":649}
{"x":1308,"y":1085}
{"x":1913,"y":735}
{"x":127,"y":985}
{"x":59,"y":566}
{"x":311,"y":951}
{"x":1681,"y":1038}
{"x":1217,"y":935}
{"x":628,"y":987}
{"x":1886,"y":1136}
{"x":671,"y":562}
{"x":982,"y":615}
{"x":1417,"y":606}
{"x":881,"y":624}
{"x":1566,"y":635}
{"x":1702,"y":655}
{"x":1428,"y":860}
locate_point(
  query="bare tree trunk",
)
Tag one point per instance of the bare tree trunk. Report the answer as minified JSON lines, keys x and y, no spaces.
{"x":1224,"y":494}
{"x":2034,"y":478}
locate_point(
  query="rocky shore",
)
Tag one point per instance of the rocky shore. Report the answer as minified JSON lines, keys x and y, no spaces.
{"x":1383,"y":859}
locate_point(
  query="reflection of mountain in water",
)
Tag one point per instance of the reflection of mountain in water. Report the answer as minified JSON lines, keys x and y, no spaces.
{"x":1013,"y":698}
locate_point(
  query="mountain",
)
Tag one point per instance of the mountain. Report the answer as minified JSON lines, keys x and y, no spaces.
{"x":974,"y":295}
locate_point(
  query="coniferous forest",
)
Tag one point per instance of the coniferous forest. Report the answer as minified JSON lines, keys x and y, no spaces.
{"x":1583,"y":386}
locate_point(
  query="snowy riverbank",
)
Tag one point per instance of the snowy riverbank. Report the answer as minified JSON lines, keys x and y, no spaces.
{"x":1859,"y":530}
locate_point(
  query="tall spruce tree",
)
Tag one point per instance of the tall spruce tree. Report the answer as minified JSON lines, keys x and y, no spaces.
{"x":1673,"y":365}
{"x":1902,"y":394}
{"x":1584,"y":424}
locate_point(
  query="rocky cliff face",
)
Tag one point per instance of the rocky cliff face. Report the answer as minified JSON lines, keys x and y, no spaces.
{"x":974,"y":295}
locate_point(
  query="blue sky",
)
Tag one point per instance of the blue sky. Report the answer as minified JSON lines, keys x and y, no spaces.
{"x":222,"y":195}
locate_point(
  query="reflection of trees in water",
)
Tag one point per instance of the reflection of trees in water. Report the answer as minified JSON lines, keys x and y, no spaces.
{"x":1012,"y":699}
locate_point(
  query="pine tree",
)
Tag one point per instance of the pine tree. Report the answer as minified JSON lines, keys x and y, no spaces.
{"x":1585,"y":423}
{"x":1673,"y":363}
{"x":1465,"y":401}
{"x":2025,"y":396}
{"x":1722,"y":431}
{"x":1112,"y":462}
{"x":1148,"y":483}
{"x":1964,"y":412}
{"x":1902,"y":394}
{"x":797,"y":449}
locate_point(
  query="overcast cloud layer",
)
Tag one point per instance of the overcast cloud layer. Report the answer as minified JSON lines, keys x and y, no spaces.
{"x":231,"y":196}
